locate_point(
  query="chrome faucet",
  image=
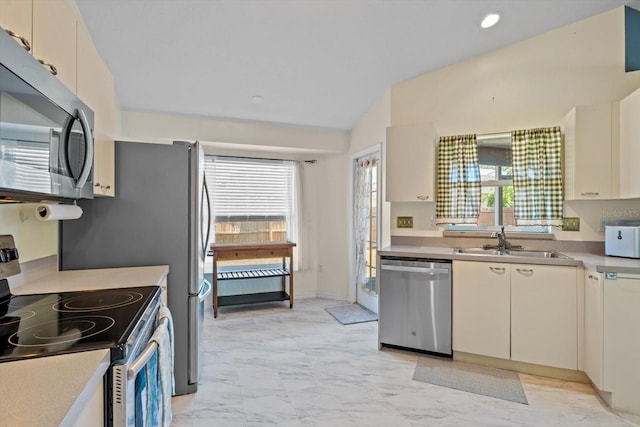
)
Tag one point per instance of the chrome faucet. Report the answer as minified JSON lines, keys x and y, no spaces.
{"x":503,"y":243}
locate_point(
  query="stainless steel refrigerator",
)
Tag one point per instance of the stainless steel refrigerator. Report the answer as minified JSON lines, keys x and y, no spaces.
{"x":160,"y":215}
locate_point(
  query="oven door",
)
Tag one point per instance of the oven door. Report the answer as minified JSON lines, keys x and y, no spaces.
{"x":136,"y":395}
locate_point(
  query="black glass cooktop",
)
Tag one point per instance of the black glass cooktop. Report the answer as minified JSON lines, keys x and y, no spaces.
{"x":66,"y":322}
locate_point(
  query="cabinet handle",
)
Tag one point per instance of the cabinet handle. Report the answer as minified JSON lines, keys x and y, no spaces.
{"x":497,"y":269}
{"x":423,"y":197}
{"x":108,"y":187}
{"x":524,"y":270}
{"x":52,"y":68}
{"x":97,"y":184}
{"x":590,"y":193}
{"x":593,"y":277}
{"x":25,"y":43}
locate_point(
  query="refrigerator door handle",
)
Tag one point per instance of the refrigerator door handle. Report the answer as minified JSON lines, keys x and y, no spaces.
{"x":205,"y":193}
{"x":207,"y":288}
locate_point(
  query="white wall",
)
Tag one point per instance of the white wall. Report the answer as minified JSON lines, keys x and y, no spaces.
{"x":34,"y":238}
{"x":529,"y":84}
{"x":231,"y":134}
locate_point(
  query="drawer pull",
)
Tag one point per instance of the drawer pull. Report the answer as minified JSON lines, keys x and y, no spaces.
{"x":423,"y":197}
{"x":497,"y":269}
{"x":25,"y":43}
{"x":52,"y":68}
{"x":525,"y":270}
{"x":590,"y":193}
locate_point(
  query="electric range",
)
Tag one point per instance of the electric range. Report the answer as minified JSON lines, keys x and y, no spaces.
{"x":68,"y":322}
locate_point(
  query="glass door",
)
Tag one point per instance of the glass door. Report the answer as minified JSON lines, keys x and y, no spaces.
{"x":366,"y":220}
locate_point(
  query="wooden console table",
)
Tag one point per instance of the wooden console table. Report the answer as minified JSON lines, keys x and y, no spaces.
{"x":232,"y":251}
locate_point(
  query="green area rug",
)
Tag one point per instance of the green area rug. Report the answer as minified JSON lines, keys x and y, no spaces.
{"x":472,"y":378}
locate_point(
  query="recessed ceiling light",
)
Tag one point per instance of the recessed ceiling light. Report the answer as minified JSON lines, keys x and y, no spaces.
{"x":490,"y":20}
{"x":257,"y":99}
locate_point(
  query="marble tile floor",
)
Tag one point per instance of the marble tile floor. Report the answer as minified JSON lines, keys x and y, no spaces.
{"x":267,"y":365}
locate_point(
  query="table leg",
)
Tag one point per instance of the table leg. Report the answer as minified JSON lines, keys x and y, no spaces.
{"x":291,"y":279}
{"x":215,"y":288}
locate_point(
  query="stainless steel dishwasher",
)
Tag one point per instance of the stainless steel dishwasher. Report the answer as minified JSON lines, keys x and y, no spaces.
{"x":415,"y":304}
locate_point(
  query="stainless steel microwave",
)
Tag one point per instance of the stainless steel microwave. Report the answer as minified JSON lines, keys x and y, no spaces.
{"x":46,"y":132}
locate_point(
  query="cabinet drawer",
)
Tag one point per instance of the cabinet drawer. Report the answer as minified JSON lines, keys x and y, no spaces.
{"x":268,"y":253}
{"x":246,"y":254}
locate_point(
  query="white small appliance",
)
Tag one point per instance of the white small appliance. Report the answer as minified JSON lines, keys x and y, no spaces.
{"x":623,"y":239}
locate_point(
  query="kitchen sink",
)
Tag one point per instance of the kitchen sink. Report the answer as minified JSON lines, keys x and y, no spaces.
{"x":511,"y":252}
{"x":536,"y":254}
{"x":479,"y":251}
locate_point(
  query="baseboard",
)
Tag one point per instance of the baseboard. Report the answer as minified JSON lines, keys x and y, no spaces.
{"x":526,"y":368}
{"x":331,"y":297}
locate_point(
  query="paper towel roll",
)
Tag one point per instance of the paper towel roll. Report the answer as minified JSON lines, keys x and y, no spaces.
{"x":51,"y":212}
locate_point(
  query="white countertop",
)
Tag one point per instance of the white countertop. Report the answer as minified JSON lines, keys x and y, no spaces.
{"x":48,"y":391}
{"x":599,"y":263}
{"x":84,"y":280}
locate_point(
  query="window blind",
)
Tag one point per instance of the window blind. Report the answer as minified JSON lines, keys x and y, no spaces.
{"x":250,"y":189}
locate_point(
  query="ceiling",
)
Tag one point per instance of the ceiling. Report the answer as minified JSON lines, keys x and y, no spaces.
{"x":315,"y":63}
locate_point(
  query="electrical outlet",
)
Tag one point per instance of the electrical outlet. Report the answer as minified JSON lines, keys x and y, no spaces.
{"x":404,"y":222}
{"x":571,"y":224}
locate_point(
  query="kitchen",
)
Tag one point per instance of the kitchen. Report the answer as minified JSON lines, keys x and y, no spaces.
{"x":485,"y":109}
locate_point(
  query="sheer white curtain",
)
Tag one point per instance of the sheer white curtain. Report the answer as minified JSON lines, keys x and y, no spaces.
{"x":361,"y":213}
{"x":296,"y":223}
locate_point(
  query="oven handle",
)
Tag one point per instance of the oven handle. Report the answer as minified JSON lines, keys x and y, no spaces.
{"x":144,"y":357}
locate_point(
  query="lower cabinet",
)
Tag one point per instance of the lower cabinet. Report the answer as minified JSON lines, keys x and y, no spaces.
{"x":544,"y":322}
{"x":594,"y":327}
{"x":481,"y":308}
{"x":522,"y":312}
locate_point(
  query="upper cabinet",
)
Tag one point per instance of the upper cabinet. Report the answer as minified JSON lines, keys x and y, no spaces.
{"x":48,"y":29}
{"x":410,"y":163}
{"x":54,"y":39}
{"x":96,"y":88}
{"x":630,"y":146}
{"x":591,"y":169}
{"x":16,"y":17}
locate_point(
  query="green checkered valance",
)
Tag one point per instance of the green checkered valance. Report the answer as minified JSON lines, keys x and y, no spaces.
{"x":537,"y":176}
{"x":458,"y":195}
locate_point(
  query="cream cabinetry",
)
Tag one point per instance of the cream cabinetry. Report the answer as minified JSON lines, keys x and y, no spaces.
{"x":591,"y":140}
{"x":621,"y":343}
{"x":630,"y":146}
{"x":49,"y":28}
{"x":523,"y":312}
{"x":410,"y":163}
{"x":593,"y":327}
{"x":54,"y":39}
{"x":544,"y":315}
{"x":481,"y":308}
{"x":93,"y":412}
{"x":16,"y":17}
{"x":96,"y":88}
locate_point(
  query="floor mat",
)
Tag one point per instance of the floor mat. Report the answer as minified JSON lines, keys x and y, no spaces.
{"x":348,"y":314}
{"x":476,"y":379}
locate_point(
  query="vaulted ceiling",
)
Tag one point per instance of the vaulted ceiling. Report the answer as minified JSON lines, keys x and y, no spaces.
{"x":315,"y":63}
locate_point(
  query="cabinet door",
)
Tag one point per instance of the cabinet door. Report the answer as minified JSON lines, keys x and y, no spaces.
{"x":544,"y":315}
{"x":410,"y":163}
{"x":621,"y":343}
{"x":589,"y":171}
{"x":481,"y":308}
{"x":54,"y":38}
{"x":96,"y":88}
{"x":593,"y":327}
{"x":630,"y":146}
{"x":16,"y":16}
